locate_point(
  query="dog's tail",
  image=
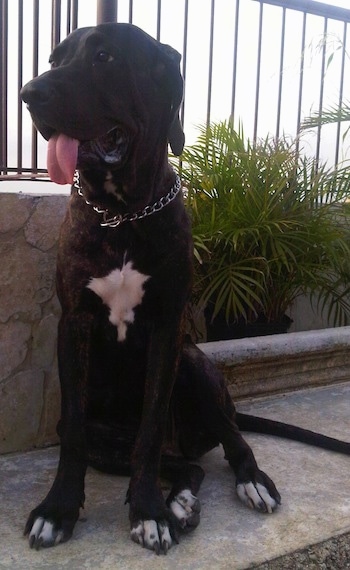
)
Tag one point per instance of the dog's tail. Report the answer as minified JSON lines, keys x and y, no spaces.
{"x":256,"y":424}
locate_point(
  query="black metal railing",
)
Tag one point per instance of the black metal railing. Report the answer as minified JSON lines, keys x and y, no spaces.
{"x":266,"y":63}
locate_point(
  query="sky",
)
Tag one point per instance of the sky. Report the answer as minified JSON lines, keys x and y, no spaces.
{"x":145,"y":16}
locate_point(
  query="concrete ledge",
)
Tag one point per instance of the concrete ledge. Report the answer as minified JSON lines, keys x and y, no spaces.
{"x":279,"y":363}
{"x":314,"y":484}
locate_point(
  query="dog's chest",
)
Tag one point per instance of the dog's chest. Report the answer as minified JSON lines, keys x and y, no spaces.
{"x":122,"y":291}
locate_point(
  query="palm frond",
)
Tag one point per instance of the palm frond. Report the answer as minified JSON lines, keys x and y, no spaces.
{"x":333,"y":114}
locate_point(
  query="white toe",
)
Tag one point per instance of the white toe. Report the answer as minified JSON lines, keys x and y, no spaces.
{"x":152,"y":535}
{"x":256,"y":496}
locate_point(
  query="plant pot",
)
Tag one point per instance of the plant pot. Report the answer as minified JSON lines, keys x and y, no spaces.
{"x":220,"y":329}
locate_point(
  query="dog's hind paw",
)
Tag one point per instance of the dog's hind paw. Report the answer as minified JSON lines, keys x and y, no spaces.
{"x":256,"y":496}
{"x":186,"y":508}
{"x":43,"y":533}
{"x":152,"y":535}
{"x":260,"y":494}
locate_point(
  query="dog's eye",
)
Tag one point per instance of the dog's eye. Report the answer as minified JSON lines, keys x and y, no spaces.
{"x":52,"y":62}
{"x":104,"y":57}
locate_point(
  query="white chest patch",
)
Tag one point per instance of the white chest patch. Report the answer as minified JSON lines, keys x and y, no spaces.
{"x":121,"y":290}
{"x":111,"y":188}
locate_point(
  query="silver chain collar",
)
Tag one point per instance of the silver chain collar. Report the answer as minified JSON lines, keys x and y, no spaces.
{"x":115,"y":221}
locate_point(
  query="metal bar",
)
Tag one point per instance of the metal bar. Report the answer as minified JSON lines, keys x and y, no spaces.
{"x":74,"y":16}
{"x":301,"y":78}
{"x":19,"y":85}
{"x":280,"y":83}
{"x":184,"y":60}
{"x":34,"y":157}
{"x":341,"y":92}
{"x":107,"y":11}
{"x":258,"y":70}
{"x":68,"y":17}
{"x":56,"y":23}
{"x":27,"y":174}
{"x":211,"y":49}
{"x":234,"y":70}
{"x":131,"y":11}
{"x":3,"y":86}
{"x":312,"y":7}
{"x":159,"y":18}
{"x":323,"y":67}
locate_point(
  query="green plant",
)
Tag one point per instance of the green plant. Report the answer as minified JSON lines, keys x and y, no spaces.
{"x":268,"y":226}
{"x":332,"y":115}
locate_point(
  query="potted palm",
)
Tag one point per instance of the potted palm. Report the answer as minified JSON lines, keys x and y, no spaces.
{"x":268,"y":226}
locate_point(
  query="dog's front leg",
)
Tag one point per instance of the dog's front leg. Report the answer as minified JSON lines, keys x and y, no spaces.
{"x":53,"y":520}
{"x":152,"y":523}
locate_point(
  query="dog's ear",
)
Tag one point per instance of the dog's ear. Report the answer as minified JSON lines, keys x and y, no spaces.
{"x":170,"y":74}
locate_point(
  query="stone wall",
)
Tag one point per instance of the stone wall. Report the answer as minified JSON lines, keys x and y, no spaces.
{"x":29,"y":313}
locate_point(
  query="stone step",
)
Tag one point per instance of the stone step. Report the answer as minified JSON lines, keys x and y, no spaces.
{"x":265,"y":365}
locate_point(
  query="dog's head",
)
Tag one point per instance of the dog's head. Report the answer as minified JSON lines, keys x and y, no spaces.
{"x":110,"y":102}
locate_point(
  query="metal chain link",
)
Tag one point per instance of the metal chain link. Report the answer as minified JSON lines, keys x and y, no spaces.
{"x":115,"y":221}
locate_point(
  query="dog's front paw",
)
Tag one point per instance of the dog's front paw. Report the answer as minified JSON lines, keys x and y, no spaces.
{"x":153,"y":535}
{"x":44,"y":532}
{"x":259,"y":493}
{"x":46,"y":527}
{"x":152,"y":523}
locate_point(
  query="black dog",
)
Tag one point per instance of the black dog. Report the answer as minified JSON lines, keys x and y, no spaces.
{"x":136,"y":398}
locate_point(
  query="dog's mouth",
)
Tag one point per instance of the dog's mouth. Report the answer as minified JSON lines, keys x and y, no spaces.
{"x":111,"y":149}
{"x":66,"y":154}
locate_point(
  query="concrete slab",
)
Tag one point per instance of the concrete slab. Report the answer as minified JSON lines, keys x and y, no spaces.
{"x":273,"y":364}
{"x":315,"y":488}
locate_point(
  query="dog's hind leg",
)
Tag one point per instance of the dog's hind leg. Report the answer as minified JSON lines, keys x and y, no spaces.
{"x":186,"y":479}
{"x":182,"y":503}
{"x":109,"y":450}
{"x":209,"y":411}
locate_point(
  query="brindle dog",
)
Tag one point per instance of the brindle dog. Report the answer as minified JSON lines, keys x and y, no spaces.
{"x":136,"y":396}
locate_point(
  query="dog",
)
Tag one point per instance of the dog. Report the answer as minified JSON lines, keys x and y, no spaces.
{"x":138,"y":397}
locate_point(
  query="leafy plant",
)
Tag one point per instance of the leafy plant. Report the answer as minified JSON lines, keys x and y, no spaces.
{"x":268,"y":226}
{"x":333,"y":114}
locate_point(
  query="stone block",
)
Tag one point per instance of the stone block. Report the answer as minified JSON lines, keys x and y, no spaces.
{"x":27,"y":279}
{"x":42,"y":229}
{"x":21,"y":402}
{"x":14,"y":211}
{"x":14,"y":338}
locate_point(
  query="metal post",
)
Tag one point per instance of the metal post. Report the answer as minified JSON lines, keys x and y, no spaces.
{"x":107,"y":11}
{"x":19,"y":85}
{"x":56,"y":23}
{"x":34,"y":164}
{"x":280,"y":85}
{"x":211,"y":50}
{"x":184,"y":60}
{"x":3,"y":85}
{"x":257,"y":89}
{"x":234,"y":71}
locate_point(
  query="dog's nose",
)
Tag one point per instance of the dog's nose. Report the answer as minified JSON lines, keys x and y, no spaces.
{"x":35,"y":92}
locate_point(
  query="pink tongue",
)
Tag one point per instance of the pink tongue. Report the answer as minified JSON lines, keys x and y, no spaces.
{"x":62,"y":154}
